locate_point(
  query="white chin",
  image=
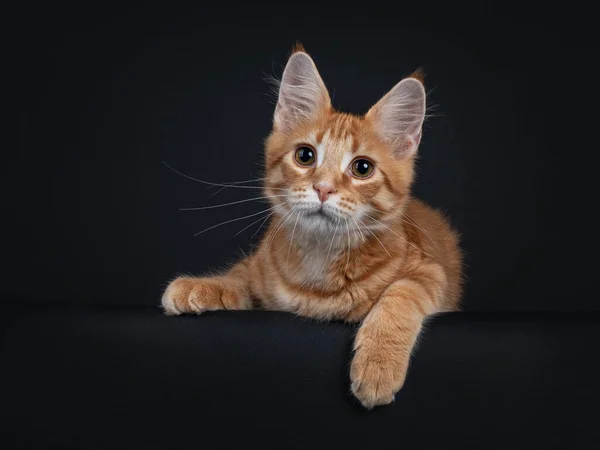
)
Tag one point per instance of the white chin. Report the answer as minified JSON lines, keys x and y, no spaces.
{"x":319,"y":222}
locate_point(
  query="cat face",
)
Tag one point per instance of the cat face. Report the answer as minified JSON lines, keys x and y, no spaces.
{"x":329,"y":170}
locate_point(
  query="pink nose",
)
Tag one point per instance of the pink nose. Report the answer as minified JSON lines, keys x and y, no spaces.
{"x":324,"y":190}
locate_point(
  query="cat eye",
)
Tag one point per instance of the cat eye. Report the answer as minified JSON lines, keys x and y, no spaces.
{"x":305,"y":156}
{"x":362,"y":168}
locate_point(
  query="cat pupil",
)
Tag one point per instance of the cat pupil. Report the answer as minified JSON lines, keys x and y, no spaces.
{"x":305,"y":154}
{"x":362,"y":167}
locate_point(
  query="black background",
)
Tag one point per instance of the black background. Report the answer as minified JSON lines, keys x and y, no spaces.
{"x":90,"y":217}
{"x":104,"y":95}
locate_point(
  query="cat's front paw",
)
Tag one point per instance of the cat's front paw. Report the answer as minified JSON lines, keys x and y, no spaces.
{"x":191,"y":296}
{"x":376,"y":377}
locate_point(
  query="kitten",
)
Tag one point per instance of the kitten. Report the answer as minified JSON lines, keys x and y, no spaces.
{"x":368,"y":251}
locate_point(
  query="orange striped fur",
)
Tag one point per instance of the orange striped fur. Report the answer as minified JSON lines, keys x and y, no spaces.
{"x":369,"y":253}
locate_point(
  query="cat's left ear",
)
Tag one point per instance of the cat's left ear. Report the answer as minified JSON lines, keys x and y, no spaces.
{"x":398,"y":117}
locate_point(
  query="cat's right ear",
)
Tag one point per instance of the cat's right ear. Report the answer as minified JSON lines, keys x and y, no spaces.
{"x":302,"y":94}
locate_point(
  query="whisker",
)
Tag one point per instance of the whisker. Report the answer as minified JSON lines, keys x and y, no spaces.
{"x":413,"y":222}
{"x":234,"y":182}
{"x":404,"y":239}
{"x":231,"y":183}
{"x":271,"y":234}
{"x":357,"y":230}
{"x":231,"y":203}
{"x":379,"y":210}
{"x":348,"y":230}
{"x":364,"y":238}
{"x":294,"y":209}
{"x":406,"y":218}
{"x":337,"y":224}
{"x":279,"y":225}
{"x":375,"y":236}
{"x":417,"y":248}
{"x":287,"y":261}
{"x":233,"y":220}
{"x":265,"y":220}
{"x":262,"y":218}
{"x":216,"y":184}
{"x":384,"y":225}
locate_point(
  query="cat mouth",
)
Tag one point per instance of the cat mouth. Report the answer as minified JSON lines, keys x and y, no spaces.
{"x":321,"y":211}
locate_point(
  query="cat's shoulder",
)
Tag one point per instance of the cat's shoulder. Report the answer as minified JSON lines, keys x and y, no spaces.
{"x":426,"y":215}
{"x":418,"y":207}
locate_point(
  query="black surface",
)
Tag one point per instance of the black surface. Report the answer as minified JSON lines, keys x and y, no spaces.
{"x":104,"y":95}
{"x":136,"y":379}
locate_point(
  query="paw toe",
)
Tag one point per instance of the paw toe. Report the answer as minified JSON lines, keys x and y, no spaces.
{"x":175,"y":298}
{"x":204,"y":297}
{"x":374,"y":384}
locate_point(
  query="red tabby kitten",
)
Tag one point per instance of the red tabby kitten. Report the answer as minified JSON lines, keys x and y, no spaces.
{"x":367,"y":252}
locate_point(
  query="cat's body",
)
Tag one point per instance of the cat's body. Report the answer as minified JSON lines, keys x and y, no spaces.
{"x":347,"y":240}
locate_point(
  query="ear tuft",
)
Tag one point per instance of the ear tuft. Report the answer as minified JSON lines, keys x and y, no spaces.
{"x":298,"y":48}
{"x":398,"y":117}
{"x":419,"y":75}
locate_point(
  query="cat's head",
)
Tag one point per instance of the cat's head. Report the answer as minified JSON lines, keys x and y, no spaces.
{"x":326,"y":168}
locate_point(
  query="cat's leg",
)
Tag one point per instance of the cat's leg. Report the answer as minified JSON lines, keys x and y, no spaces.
{"x":190,"y":295}
{"x":388,"y":334}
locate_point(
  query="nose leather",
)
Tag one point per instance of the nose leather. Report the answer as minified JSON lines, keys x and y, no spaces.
{"x":324,"y":190}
